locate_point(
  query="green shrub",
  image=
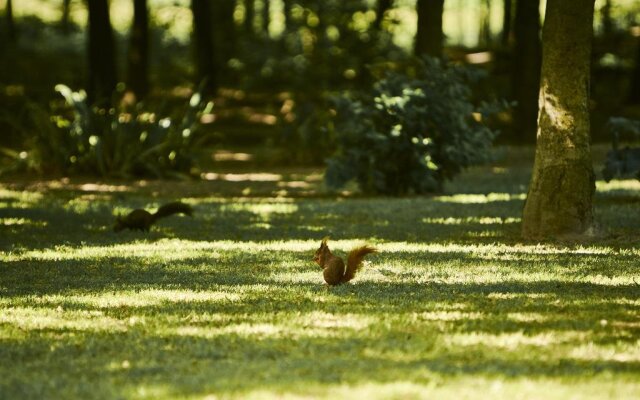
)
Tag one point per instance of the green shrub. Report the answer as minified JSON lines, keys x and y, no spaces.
{"x":121,"y":141}
{"x":411,"y":132}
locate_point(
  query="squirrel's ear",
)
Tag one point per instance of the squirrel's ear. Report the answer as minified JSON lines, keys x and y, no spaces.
{"x":325,"y":240}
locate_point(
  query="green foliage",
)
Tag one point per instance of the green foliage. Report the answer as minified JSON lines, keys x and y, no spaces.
{"x":120,"y":141}
{"x":411,"y":132}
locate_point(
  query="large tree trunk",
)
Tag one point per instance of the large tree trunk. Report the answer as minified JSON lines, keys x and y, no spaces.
{"x":563,"y":183}
{"x":429,"y":36}
{"x":102,"y":63}
{"x":138,"y":57}
{"x":505,"y":36}
{"x":205,"y":54}
{"x":526,"y":69}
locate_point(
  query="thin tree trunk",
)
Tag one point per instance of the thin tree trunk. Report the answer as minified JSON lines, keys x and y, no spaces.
{"x":381,"y":8}
{"x":138,"y":57}
{"x":11,"y":26}
{"x":607,"y":22}
{"x":224,"y":32}
{"x":484,"y":34}
{"x":526,"y":69}
{"x":102,"y":63}
{"x":266,"y":16}
{"x":286,"y":10}
{"x":506,"y":24}
{"x":64,"y":20}
{"x":204,"y":45}
{"x":560,"y":199}
{"x":249,"y":16}
{"x":429,"y":35}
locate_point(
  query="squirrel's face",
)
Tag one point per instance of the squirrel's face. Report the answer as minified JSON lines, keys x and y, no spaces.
{"x":320,"y":254}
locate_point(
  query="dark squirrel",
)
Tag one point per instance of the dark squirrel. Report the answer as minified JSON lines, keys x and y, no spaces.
{"x":142,"y":220}
{"x":334,"y":270}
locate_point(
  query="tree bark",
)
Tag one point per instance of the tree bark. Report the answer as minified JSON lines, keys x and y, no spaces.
{"x":429,"y":35}
{"x":102,"y":63}
{"x":138,"y":57}
{"x":505,"y":36}
{"x":526,"y":69}
{"x":560,"y":199}
{"x":204,"y":45}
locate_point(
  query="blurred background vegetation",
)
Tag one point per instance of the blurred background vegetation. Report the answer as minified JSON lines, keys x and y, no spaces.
{"x":130,"y":88}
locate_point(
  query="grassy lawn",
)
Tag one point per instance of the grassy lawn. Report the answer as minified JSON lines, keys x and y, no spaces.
{"x":229,"y":303}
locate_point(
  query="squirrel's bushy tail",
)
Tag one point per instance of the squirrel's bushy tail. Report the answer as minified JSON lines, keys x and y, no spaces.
{"x":176,"y":207}
{"x":354,"y":261}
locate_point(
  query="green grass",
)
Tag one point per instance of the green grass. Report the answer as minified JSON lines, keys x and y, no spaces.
{"x":229,"y":303}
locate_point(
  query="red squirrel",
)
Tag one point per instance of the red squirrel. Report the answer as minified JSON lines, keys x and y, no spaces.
{"x":142,"y":220}
{"x":334,"y":271}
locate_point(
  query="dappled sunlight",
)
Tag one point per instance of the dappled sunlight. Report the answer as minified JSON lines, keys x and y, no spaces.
{"x":21,"y":222}
{"x":591,"y":352}
{"x":261,"y":209}
{"x":618,"y":185}
{"x":309,"y":325}
{"x":480,"y":198}
{"x":471,"y":220}
{"x":27,"y":318}
{"x":139,"y":298}
{"x":513,"y":340}
{"x":248,"y":177}
{"x":18,"y":199}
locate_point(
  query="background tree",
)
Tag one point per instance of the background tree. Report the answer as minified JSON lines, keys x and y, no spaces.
{"x":138,"y":57}
{"x":101,"y":50}
{"x":563,"y":183}
{"x":204,"y":45}
{"x":381,"y":8}
{"x":484,"y":33}
{"x":224,"y":33}
{"x":505,"y":35}
{"x":64,"y":20}
{"x":286,"y":11}
{"x":634,"y":94}
{"x":11,"y":27}
{"x":526,"y":69}
{"x":249,"y":16}
{"x":266,"y":16}
{"x":429,"y":35}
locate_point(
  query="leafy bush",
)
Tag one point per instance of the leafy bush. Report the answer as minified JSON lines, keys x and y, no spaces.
{"x":411,"y":132}
{"x":121,"y":141}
